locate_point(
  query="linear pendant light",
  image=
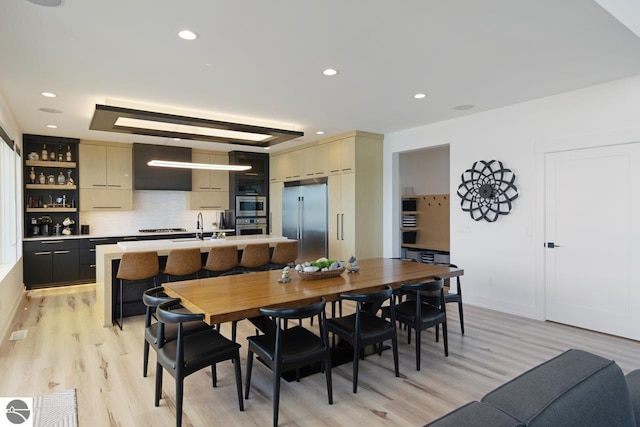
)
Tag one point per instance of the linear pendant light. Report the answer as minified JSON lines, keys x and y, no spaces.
{"x":189,"y":165}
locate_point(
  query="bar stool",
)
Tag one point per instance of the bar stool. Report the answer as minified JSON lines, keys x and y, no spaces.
{"x":285,"y":253}
{"x":183,"y":262}
{"x":255,"y":257}
{"x":221,"y":260}
{"x":136,"y":266}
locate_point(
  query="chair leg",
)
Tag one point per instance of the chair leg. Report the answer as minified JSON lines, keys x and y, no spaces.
{"x":120,"y":292}
{"x":356,"y":363}
{"x":214,"y":375}
{"x":394,"y":345}
{"x":276,"y":394}
{"x":145,"y":361}
{"x":247,"y":386}
{"x":158,"y":384}
{"x":179,"y":392}
{"x":418,"y":344}
{"x":234,"y":330}
{"x":236,"y":362}
{"x":437,"y":333}
{"x":327,"y":374}
{"x":461,"y":317}
{"x":444,"y":336}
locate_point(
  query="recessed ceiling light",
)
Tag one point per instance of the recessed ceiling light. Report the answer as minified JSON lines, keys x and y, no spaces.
{"x":48,"y":3}
{"x":463,"y":107}
{"x":175,"y":139}
{"x":48,"y":94}
{"x":187,"y":35}
{"x":330,"y":72}
{"x":267,"y":148}
{"x":420,"y":95}
{"x":52,"y":126}
{"x":50,"y":110}
{"x":320,"y":132}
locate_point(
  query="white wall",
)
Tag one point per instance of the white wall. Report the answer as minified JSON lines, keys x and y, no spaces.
{"x":11,"y":287}
{"x":503,"y":260}
{"x":426,"y":170}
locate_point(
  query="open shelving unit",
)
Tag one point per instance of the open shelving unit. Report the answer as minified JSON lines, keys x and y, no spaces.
{"x":425,"y":227}
{"x":56,"y":198}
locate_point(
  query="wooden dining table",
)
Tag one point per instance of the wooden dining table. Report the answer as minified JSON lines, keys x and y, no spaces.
{"x":237,"y":297}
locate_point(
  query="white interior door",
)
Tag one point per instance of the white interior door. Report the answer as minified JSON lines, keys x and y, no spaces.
{"x":592,"y":206}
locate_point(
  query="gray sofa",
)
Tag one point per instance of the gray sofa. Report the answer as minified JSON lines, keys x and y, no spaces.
{"x":576,"y":388}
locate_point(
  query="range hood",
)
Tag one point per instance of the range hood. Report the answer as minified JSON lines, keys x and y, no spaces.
{"x":147,"y":177}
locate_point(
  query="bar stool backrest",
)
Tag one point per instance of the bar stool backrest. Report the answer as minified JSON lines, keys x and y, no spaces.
{"x":138,"y":265}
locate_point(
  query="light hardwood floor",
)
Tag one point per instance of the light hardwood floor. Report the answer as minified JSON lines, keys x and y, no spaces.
{"x":67,"y":348}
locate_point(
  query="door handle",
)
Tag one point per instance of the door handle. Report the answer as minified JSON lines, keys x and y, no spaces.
{"x":337,"y":226}
{"x":551,"y":245}
{"x":342,"y":226}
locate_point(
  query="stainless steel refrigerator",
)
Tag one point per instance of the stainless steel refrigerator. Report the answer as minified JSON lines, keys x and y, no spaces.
{"x":304,"y":218}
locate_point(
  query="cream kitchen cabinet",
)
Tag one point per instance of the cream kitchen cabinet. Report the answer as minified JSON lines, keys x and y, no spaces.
{"x":105,"y":166}
{"x":276,"y":168}
{"x":105,"y":200}
{"x":342,"y":227}
{"x":342,"y":156}
{"x":292,"y":165}
{"x":105,"y":172}
{"x":315,"y":162}
{"x":275,"y":208}
{"x":200,"y":200}
{"x":210,"y":180}
{"x":210,"y":187}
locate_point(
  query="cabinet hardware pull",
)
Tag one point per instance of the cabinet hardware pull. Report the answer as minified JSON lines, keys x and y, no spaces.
{"x":107,"y":207}
{"x":346,"y":169}
{"x":49,"y":242}
{"x":101,"y":239}
{"x":61,"y":252}
{"x":92,"y":250}
{"x":342,"y":226}
{"x":114,"y":185}
{"x":203,"y":188}
{"x":335,"y":170}
{"x":251,"y":174}
{"x":42,"y":253}
{"x":337,"y":226}
{"x":211,"y":207}
{"x":99,"y":185}
{"x":92,"y":266}
{"x":130,"y":238}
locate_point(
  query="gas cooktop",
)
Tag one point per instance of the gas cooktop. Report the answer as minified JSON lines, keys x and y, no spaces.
{"x":161,"y":230}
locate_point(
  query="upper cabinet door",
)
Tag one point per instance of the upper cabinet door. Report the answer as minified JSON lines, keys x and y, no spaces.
{"x":209,"y":180}
{"x":219,"y":180}
{"x":342,"y":156}
{"x":119,"y":168}
{"x":316,"y":161}
{"x":200,"y":177}
{"x":93,"y":166}
{"x":276,"y":168}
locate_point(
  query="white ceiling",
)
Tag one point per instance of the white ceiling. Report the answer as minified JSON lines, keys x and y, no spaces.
{"x":261,"y":62}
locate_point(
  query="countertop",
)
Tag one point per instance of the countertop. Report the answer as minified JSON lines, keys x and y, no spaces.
{"x":192,"y":242}
{"x":123,"y":234}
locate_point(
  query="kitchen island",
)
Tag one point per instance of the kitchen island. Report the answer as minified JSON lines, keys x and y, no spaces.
{"x":107,"y":254}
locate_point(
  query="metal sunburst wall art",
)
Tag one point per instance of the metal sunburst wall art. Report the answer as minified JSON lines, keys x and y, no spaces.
{"x":487,"y":190}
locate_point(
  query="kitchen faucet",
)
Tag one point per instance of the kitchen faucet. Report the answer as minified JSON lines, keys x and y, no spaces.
{"x":200,"y":227}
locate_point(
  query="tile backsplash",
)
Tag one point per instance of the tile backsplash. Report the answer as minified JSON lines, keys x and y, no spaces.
{"x":151,"y":209}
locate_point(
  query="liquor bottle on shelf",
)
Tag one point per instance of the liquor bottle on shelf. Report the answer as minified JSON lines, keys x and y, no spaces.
{"x":60,"y":156}
{"x":32,"y":176}
{"x":69,"y":154}
{"x":52,"y":154}
{"x":61,"y":178}
{"x":44,"y":155}
{"x":42,"y":179}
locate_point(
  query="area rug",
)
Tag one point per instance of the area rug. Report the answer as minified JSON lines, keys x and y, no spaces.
{"x":56,"y":410}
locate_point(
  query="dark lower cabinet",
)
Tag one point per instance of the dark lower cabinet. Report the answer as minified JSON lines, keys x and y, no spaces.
{"x":68,"y":261}
{"x":50,"y":262}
